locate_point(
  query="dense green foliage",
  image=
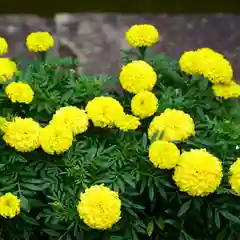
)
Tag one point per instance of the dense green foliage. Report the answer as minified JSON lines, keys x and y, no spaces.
{"x":152,"y":206}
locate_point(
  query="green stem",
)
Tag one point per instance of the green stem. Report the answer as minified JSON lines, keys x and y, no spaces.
{"x":42,"y":56}
{"x":142,"y":51}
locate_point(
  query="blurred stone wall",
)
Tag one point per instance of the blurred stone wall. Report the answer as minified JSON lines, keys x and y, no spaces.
{"x":97,"y":38}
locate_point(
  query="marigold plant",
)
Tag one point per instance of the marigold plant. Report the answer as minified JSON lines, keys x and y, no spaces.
{"x":82,"y":160}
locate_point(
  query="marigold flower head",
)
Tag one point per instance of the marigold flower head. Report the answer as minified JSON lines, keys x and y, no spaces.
{"x":72,"y":117}
{"x":227,"y":91}
{"x":127,"y":122}
{"x":217,"y":69}
{"x":22,"y":134}
{"x":56,"y":138}
{"x":175,"y":125}
{"x":19,"y":92}
{"x":137,"y":76}
{"x":3,"y":46}
{"x":104,"y":111}
{"x":208,"y":63}
{"x":142,"y":35}
{"x":234,"y":178}
{"x":9,"y":205}
{"x":198,"y":173}
{"x":39,"y":41}
{"x":188,"y":62}
{"x":7,"y":69}
{"x":144,"y":104}
{"x":163,"y":154}
{"x":99,"y":207}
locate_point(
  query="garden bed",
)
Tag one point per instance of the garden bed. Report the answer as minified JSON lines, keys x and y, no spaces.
{"x":151,"y":154}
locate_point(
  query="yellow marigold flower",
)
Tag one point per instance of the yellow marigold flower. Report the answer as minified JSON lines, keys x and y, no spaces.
{"x":163,"y":154}
{"x":189,"y":62}
{"x":142,"y":35}
{"x":144,"y":104}
{"x":19,"y":92}
{"x":7,"y":69}
{"x":104,"y":111}
{"x":39,"y":41}
{"x":99,"y":207}
{"x":226,"y":91}
{"x":9,"y":205}
{"x":3,"y":124}
{"x":208,"y":63}
{"x":127,"y":122}
{"x":72,"y":117}
{"x":174,"y":124}
{"x":22,"y":134}
{"x":56,"y":138}
{"x":3,"y":46}
{"x":234,"y":178}
{"x":215,"y":67}
{"x":198,"y":173}
{"x":137,"y":76}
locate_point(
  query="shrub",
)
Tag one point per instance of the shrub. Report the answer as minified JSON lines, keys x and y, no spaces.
{"x":76,"y":164}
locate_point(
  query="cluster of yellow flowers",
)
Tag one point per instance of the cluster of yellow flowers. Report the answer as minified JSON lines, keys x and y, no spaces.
{"x":207,"y":63}
{"x":35,"y":42}
{"x":26,"y":135}
{"x":213,"y":66}
{"x":196,"y":172}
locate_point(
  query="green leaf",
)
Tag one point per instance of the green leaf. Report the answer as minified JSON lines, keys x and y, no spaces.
{"x":28,"y":219}
{"x":203,"y":84}
{"x":151,"y":192}
{"x":184,"y":208}
{"x":150,"y":227}
{"x":35,"y":187}
{"x":155,"y":136}
{"x":25,"y":204}
{"x":128,"y":178}
{"x":2,"y":165}
{"x":51,"y":232}
{"x":173,"y":223}
{"x":160,"y":222}
{"x":230,"y":216}
{"x":217,"y":219}
{"x":187,"y":236}
{"x":144,"y":141}
{"x":222,"y":234}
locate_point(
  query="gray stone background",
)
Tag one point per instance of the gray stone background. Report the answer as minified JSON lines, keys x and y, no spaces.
{"x":97,"y":38}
